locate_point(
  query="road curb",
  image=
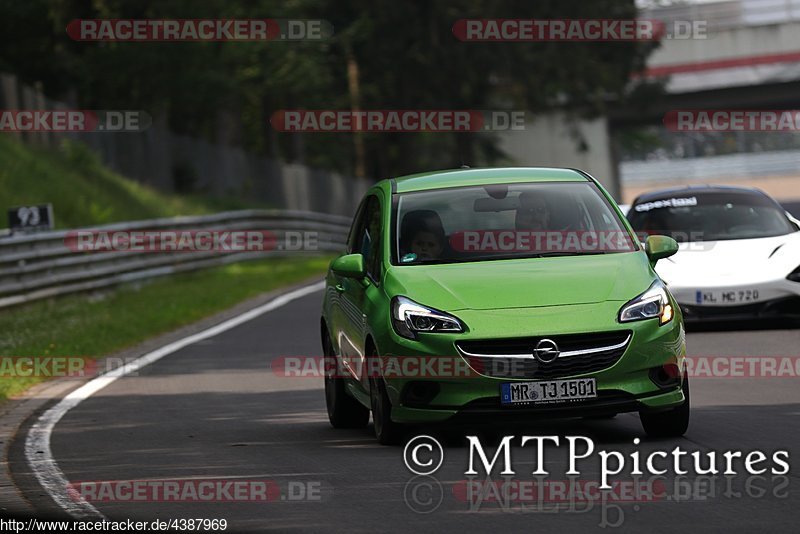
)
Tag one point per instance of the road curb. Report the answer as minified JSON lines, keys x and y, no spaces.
{"x":18,"y":410}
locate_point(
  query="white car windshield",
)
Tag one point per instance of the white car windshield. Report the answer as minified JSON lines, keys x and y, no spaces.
{"x":710,"y":216}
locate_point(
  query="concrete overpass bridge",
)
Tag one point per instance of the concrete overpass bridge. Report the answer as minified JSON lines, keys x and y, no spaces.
{"x":749,"y":59}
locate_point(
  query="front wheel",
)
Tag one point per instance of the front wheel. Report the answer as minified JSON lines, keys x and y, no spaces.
{"x":670,"y":424}
{"x":386,"y":431}
{"x":343,"y":410}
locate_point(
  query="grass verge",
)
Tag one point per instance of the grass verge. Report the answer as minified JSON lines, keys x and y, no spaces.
{"x":81,"y":325}
{"x":86,"y":193}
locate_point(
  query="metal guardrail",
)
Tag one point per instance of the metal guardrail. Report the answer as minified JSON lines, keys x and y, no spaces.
{"x":41,"y":265}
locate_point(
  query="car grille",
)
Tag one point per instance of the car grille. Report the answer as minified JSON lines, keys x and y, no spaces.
{"x":514,"y":358}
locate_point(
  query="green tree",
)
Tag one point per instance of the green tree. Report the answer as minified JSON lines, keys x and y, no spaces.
{"x":405,"y":54}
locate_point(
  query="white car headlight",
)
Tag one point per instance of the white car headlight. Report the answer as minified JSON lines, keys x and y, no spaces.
{"x":408,"y":317}
{"x":651,"y":304}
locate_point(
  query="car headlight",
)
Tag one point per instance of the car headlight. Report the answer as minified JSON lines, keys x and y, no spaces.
{"x":794,"y":276}
{"x":651,"y":304}
{"x":408,"y":318}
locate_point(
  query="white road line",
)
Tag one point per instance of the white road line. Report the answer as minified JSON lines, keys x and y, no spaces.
{"x":37,"y":445}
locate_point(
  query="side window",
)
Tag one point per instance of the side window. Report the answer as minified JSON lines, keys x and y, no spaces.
{"x":372,"y":238}
{"x":365,"y":237}
{"x":356,"y":230}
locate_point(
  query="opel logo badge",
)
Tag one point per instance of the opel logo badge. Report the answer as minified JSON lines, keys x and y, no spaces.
{"x":546,"y":351}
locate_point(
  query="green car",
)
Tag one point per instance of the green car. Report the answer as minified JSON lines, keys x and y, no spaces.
{"x":500,"y":295}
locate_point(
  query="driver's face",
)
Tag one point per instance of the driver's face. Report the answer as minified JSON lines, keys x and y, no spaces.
{"x":533,"y":214}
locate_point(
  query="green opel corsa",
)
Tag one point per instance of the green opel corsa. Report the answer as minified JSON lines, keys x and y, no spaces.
{"x":501,"y":295}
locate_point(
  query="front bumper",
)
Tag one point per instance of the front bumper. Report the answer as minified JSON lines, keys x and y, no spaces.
{"x":489,"y":409}
{"x":624,"y":386}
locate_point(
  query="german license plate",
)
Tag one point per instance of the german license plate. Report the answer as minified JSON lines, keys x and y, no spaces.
{"x":726,"y":297}
{"x":548,"y":391}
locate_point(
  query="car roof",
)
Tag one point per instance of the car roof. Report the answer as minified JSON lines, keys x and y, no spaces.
{"x":693,"y":190}
{"x":466,"y":177}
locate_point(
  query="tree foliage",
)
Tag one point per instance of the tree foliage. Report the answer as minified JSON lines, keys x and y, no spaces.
{"x":405,"y":51}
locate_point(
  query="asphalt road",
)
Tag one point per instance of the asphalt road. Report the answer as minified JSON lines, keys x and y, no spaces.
{"x":216,"y":410}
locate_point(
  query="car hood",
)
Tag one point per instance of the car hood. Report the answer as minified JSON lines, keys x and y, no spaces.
{"x":732,"y":261}
{"x":523,"y":283}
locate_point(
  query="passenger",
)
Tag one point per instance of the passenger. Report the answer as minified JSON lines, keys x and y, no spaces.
{"x":422,"y":236}
{"x":426,"y":245}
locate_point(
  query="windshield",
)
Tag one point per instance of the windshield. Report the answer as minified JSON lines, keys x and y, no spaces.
{"x":505,"y":222}
{"x":711,"y":217}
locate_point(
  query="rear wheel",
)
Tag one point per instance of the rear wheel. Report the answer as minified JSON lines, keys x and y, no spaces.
{"x":670,"y":424}
{"x":343,"y":410}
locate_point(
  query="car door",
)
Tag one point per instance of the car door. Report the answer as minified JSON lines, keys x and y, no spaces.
{"x":357,"y":294}
{"x":335,"y":286}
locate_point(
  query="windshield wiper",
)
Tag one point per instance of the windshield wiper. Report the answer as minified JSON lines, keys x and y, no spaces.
{"x":489,"y":257}
{"x":553,"y":254}
{"x":574,"y":253}
{"x":433,"y":261}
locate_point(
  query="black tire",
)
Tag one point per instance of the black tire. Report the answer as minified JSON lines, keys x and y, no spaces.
{"x":387,"y":431}
{"x":343,"y":410}
{"x":669,"y":424}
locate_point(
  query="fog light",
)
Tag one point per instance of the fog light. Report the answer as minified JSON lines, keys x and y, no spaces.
{"x":419,"y":393}
{"x":672,"y":370}
{"x":666,"y":376}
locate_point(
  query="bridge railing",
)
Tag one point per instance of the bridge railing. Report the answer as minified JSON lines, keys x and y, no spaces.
{"x":729,"y":13}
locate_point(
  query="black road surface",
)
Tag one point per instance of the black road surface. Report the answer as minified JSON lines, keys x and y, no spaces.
{"x":215,"y":410}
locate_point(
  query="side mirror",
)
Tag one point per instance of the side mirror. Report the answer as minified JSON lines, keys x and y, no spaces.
{"x":349,"y":266}
{"x":659,"y":247}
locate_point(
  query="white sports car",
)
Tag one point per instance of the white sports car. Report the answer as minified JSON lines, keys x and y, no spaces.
{"x":739,"y":252}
